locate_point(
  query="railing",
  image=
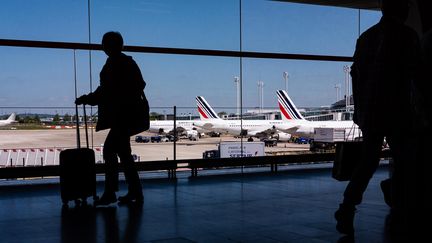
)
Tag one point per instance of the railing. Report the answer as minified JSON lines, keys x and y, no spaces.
{"x":172,"y":166}
{"x":24,"y":157}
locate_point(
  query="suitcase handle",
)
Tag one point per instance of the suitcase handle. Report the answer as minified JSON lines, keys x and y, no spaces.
{"x":76,"y":112}
{"x":77,"y":127}
{"x":85,"y":127}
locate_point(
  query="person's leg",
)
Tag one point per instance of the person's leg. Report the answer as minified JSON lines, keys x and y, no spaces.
{"x":360,"y":179}
{"x":398,"y":177}
{"x":130,"y":172}
{"x":406,"y":186}
{"x":111,"y":169}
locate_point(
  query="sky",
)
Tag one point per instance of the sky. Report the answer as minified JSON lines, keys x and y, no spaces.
{"x":37,"y":77}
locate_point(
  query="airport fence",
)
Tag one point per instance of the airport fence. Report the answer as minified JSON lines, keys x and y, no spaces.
{"x":25,"y":157}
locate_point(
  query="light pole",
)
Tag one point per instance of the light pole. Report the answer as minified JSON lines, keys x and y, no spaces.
{"x":285,"y":76}
{"x":261,"y":94}
{"x":347,"y":70}
{"x":337,"y":87}
{"x":237,"y":83}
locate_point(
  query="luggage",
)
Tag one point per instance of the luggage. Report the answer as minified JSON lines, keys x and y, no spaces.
{"x":348,"y":155}
{"x":77,"y":172}
{"x":77,"y":166}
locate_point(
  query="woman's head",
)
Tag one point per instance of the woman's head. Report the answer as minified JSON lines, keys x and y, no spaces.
{"x":112,"y":43}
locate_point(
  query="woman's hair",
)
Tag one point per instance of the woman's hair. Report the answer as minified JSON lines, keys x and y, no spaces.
{"x":113,"y":40}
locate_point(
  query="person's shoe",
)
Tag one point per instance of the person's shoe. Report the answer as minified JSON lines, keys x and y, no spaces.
{"x":386,"y":190}
{"x":106,"y":199}
{"x":345,"y":219}
{"x":131,"y":197}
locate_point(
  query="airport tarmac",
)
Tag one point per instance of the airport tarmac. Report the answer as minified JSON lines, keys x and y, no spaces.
{"x":66,"y":138}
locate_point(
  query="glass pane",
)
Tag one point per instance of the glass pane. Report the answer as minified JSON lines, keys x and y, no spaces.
{"x":273,"y":26}
{"x":310,"y":83}
{"x":47,"y":20}
{"x":368,"y":19}
{"x":171,"y":80}
{"x":176,"y":80}
{"x":171,"y":23}
{"x":40,"y":81}
{"x":36,"y":77}
{"x":38,"y":86}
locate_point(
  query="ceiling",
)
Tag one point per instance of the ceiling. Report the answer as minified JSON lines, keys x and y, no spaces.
{"x":357,"y":4}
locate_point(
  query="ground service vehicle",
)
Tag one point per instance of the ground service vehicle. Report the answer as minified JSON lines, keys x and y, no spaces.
{"x":155,"y":139}
{"x":142,"y":139}
{"x":236,"y":150}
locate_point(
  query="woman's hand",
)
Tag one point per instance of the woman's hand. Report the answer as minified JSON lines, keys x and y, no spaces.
{"x":81,"y":100}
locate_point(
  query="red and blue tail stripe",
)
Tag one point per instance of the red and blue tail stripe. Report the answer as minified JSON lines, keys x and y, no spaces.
{"x":205,"y":110}
{"x":288,"y":109}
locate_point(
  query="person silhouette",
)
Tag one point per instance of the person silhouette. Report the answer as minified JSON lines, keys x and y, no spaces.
{"x":425,"y":182}
{"x":422,"y":102}
{"x":120,"y":93}
{"x":385,"y":62}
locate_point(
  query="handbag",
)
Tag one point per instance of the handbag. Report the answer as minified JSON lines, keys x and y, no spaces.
{"x":347,"y":156}
{"x":141,"y":120}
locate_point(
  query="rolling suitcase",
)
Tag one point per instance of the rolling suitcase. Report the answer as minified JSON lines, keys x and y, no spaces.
{"x":78,"y":171}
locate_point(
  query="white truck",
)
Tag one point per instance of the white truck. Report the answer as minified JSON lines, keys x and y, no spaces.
{"x":234,"y":150}
{"x":325,"y":138}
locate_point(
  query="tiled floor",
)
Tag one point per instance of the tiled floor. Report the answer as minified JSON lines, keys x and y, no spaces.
{"x":291,"y":206}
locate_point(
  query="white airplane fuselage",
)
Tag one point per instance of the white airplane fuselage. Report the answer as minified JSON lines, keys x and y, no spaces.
{"x":305,"y":128}
{"x":8,"y":121}
{"x":250,"y":128}
{"x":168,"y":125}
{"x":297,"y":125}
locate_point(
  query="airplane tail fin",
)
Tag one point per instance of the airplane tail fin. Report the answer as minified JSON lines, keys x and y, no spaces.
{"x":12,"y":117}
{"x":205,"y":110}
{"x":288,"y":110}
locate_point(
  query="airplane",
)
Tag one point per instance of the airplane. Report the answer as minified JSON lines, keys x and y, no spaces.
{"x":248,"y":128}
{"x":296,"y":124}
{"x":8,"y":121}
{"x":183,"y":127}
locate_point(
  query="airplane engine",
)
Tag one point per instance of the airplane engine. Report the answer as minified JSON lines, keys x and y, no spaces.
{"x":282,"y":136}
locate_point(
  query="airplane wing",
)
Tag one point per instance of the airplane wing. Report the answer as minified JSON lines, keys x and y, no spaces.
{"x":267,"y":132}
{"x":205,"y":125}
{"x":180,"y":130}
{"x":288,"y":129}
{"x":262,"y":134}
